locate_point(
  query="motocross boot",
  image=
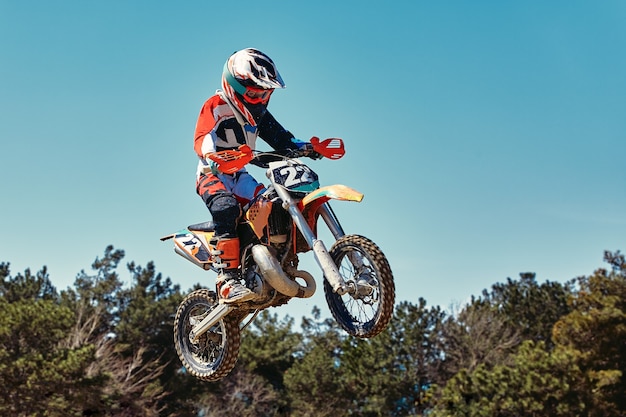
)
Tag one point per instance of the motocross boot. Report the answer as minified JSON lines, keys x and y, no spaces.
{"x":226,"y":261}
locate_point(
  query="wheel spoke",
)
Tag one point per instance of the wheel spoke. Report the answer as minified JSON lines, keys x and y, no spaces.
{"x":366,"y":311}
{"x":213,"y":355}
{"x":362,"y":308}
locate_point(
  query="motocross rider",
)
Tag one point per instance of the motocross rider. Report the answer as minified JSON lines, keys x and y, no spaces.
{"x":235,"y":116}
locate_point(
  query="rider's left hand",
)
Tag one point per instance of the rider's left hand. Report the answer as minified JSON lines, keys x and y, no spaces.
{"x":306,"y":148}
{"x":314,"y":155}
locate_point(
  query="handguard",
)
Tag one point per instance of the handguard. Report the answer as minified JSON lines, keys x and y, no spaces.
{"x":331,"y":148}
{"x":231,"y":160}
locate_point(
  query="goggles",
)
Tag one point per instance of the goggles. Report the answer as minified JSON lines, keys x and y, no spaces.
{"x":257,"y":95}
{"x":250,"y":94}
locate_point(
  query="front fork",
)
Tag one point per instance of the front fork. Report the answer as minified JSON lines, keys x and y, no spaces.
{"x":323,"y":258}
{"x":332,"y":221}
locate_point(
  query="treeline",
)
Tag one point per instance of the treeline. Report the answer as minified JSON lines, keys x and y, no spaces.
{"x":521,"y":348}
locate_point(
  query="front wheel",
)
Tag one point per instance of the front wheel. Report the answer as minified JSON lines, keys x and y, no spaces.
{"x":366,"y":311}
{"x":214,"y":354}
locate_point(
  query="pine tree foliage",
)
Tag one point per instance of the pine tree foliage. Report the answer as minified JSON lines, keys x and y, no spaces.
{"x":243,"y":393}
{"x":581,"y":373}
{"x":39,"y":374}
{"x":314,"y":382}
{"x":537,"y":383}
{"x":520,"y":348}
{"x":269,"y":347}
{"x":96,"y":349}
{"x":595,"y":331}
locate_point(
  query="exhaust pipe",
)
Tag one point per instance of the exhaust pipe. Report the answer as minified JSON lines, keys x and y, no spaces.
{"x":273,"y":273}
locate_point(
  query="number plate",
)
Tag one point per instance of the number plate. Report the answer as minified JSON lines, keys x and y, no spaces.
{"x":294,"y":176}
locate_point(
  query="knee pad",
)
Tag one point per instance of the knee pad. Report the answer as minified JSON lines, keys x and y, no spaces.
{"x":226,"y":211}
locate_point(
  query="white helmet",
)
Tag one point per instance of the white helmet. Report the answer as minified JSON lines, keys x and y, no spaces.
{"x":249,"y":78}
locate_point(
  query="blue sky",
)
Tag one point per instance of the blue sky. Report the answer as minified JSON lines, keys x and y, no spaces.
{"x":488,"y":137}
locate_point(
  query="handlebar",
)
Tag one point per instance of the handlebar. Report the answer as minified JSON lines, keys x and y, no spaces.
{"x":232,"y":160}
{"x":262,"y":159}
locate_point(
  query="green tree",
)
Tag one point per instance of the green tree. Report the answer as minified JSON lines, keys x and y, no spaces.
{"x":581,"y":373}
{"x":256,"y":387}
{"x":101,"y":348}
{"x":538,"y":383}
{"x":144,"y":334}
{"x":530,"y":308}
{"x":242,"y":393}
{"x":39,"y":374}
{"x":131,"y":329}
{"x":269,"y":347}
{"x":314,"y":381}
{"x":388,"y":375}
{"x":392,"y":374}
{"x":477,"y":335}
{"x":27,"y":286}
{"x":595,"y":332}
{"x":489,"y":329}
{"x":416,"y":350}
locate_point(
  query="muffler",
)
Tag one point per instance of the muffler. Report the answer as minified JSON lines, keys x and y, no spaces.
{"x":273,"y":273}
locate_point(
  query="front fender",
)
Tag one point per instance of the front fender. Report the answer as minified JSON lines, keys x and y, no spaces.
{"x":310,"y":204}
{"x":331,"y":192}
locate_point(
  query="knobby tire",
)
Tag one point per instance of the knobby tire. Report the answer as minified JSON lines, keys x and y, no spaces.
{"x":361,"y":317}
{"x":215,"y":354}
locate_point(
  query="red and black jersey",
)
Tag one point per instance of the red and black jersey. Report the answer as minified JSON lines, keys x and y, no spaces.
{"x":218,"y":129}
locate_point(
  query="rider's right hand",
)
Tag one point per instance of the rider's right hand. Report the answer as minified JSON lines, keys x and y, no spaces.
{"x":210,"y":166}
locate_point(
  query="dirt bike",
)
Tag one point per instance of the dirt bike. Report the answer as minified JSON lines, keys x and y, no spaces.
{"x":276,"y":227}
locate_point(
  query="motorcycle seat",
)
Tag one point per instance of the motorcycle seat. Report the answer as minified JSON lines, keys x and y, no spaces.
{"x":202,"y":227}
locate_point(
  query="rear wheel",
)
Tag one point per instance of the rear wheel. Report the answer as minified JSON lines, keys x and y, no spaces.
{"x":366,"y":311}
{"x":214,"y":354}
